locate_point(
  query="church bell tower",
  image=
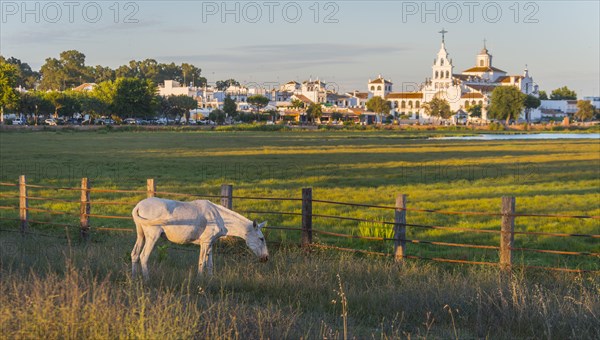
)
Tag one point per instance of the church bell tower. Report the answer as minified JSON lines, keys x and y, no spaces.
{"x":441,"y":77}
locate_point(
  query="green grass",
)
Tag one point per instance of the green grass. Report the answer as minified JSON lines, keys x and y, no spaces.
{"x":547,"y":177}
{"x":291,"y":296}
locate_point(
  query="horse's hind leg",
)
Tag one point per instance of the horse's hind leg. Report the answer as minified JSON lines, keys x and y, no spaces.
{"x":152,"y":235}
{"x":137,"y":249}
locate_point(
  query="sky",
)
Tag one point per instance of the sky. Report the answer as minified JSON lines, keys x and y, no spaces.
{"x":343,"y":43}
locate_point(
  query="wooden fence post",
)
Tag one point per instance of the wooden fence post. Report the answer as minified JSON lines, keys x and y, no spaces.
{"x":150,"y":188}
{"x":507,"y":235}
{"x":227,"y":196}
{"x":400,"y":228}
{"x":23,"y":203}
{"x":306,"y":217}
{"x":85,"y":208}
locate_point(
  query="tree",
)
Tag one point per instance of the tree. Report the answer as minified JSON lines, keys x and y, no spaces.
{"x":191,"y":74}
{"x":314,"y":111}
{"x":585,"y":110}
{"x":506,"y":103}
{"x":563,"y":93}
{"x":258,"y":102}
{"x":297,"y":104}
{"x":438,"y":108}
{"x":530,"y":103}
{"x":543,"y":95}
{"x":222,"y":85}
{"x":101,"y":73}
{"x":105,"y":93}
{"x":9,"y":97}
{"x":92,"y":105}
{"x":57,"y":99}
{"x":52,"y":75}
{"x":229,"y":106}
{"x":35,"y":103}
{"x":133,"y":97}
{"x":337,"y":116}
{"x":379,"y":106}
{"x":182,"y":104}
{"x":67,"y":72}
{"x":217,"y":116}
{"x":26,"y":77}
{"x":76,"y":73}
{"x":475,"y":111}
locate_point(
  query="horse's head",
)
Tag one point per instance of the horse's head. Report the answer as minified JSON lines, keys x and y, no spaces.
{"x":256,"y":241}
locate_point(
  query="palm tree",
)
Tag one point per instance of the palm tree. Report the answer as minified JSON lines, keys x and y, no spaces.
{"x":314,"y":111}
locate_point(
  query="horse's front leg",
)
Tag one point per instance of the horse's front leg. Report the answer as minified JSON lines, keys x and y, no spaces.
{"x":210,"y":261}
{"x":205,"y":250}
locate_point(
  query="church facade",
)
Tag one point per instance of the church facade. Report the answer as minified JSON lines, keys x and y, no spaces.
{"x":462,"y":90}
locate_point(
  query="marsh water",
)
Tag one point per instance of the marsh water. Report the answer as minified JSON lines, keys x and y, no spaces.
{"x":525,"y":136}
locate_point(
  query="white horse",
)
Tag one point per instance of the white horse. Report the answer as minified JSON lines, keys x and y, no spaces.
{"x":199,"y":222}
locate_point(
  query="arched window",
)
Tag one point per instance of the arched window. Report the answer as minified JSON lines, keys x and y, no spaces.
{"x":481,"y":63}
{"x":436,"y":74}
{"x":372,"y":88}
{"x":410,"y":104}
{"x":403,"y":105}
{"x":417,"y":104}
{"x":447,"y":74}
{"x":472,"y":102}
{"x":442,"y":62}
{"x":466,"y":104}
{"x":480,"y":102}
{"x":379,"y":88}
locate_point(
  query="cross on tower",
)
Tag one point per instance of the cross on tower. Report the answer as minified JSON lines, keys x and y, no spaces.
{"x":484,"y":43}
{"x":443,"y":32}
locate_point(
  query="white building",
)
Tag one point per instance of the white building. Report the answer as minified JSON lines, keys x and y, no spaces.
{"x":461,"y":90}
{"x":379,"y":87}
{"x":568,"y":107}
{"x":173,"y":88}
{"x":314,"y":90}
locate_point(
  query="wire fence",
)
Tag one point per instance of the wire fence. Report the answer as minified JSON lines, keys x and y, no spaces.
{"x":399,"y":225}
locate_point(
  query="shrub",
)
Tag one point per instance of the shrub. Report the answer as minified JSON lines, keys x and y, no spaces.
{"x":494,"y":126}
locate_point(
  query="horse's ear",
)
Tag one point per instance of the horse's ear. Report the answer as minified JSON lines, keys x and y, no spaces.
{"x":254,"y":225}
{"x":262,"y":225}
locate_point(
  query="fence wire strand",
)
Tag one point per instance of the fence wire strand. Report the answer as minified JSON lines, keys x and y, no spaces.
{"x":317,"y":231}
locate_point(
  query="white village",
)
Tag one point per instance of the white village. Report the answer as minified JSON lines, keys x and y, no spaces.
{"x":461,"y":90}
{"x":466,"y":96}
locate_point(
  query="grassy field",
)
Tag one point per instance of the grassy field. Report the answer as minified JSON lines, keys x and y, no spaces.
{"x":45,"y":280}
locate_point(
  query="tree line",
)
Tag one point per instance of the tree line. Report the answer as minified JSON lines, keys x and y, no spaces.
{"x":127,"y":91}
{"x":70,"y":70}
{"x":125,"y":97}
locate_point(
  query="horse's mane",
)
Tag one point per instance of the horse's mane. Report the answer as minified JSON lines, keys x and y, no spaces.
{"x":230,"y":214}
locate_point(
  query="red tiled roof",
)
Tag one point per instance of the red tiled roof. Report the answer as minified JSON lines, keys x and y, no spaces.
{"x":472,"y":95}
{"x":83,"y":86}
{"x":380,"y":81}
{"x":484,"y":69}
{"x":405,"y":95}
{"x":303,"y":98}
{"x":361,"y":95}
{"x":482,"y":88}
